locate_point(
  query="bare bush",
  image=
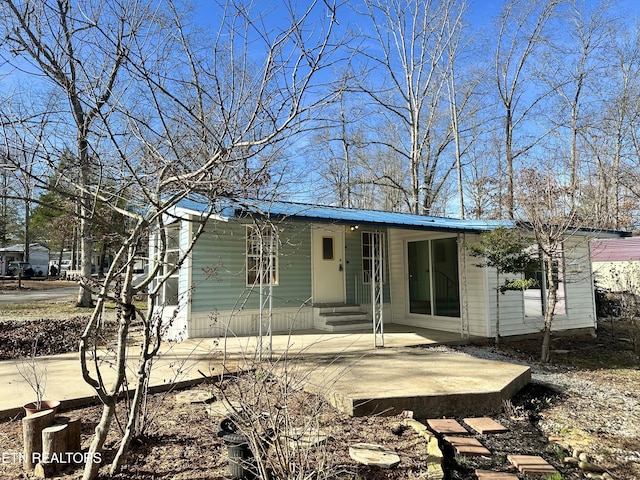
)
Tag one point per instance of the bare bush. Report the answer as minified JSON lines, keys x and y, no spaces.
{"x":285,"y":427}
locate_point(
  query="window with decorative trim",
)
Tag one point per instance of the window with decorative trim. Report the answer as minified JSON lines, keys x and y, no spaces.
{"x":262,"y":255}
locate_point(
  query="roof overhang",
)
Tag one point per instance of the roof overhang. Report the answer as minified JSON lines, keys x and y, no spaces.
{"x":238,"y":208}
{"x":279,"y":210}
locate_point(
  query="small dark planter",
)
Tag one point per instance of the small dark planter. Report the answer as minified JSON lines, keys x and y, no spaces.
{"x":241,"y":460}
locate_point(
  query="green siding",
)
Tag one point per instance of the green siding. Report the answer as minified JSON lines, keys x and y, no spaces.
{"x":219,"y":268}
{"x":353,"y":262}
{"x":353,"y":256}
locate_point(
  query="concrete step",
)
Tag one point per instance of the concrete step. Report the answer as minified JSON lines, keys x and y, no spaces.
{"x":340,"y":318}
{"x":341,"y":325}
{"x":345,"y":317}
{"x":336,"y":307}
{"x":347,"y":320}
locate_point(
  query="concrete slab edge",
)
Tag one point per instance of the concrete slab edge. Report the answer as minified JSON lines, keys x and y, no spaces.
{"x":434,"y":405}
{"x":95,"y":400}
{"x":517,"y":384}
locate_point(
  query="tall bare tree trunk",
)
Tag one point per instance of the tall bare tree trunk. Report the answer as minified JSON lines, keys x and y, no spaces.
{"x":142,"y":377}
{"x":510,"y":202}
{"x":94,"y":454}
{"x":551,"y":296}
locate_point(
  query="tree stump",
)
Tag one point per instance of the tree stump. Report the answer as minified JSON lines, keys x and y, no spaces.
{"x":54,"y":446}
{"x":74,"y":428}
{"x":32,"y":426}
{"x":44,"y":470}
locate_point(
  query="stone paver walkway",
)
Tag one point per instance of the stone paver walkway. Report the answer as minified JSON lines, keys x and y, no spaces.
{"x":446,"y":426}
{"x":531,"y":464}
{"x":451,"y":432}
{"x":485,"y":425}
{"x":467,"y":446}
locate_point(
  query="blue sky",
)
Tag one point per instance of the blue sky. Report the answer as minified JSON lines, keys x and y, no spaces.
{"x":482,"y":11}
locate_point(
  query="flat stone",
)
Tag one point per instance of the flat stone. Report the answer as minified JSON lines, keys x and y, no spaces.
{"x":467,"y":446}
{"x":446,"y":426}
{"x":371,"y":454}
{"x":485,"y":425}
{"x":489,"y":475}
{"x":531,"y":464}
{"x":300,"y":437}
{"x":221,"y":408}
{"x":194,"y":396}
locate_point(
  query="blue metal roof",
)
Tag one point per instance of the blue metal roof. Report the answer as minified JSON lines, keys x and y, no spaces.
{"x":279,"y":209}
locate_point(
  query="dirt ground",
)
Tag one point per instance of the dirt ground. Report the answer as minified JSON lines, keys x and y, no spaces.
{"x":587,"y":399}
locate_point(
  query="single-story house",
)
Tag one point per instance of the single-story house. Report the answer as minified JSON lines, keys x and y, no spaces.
{"x":616,"y":264}
{"x":273,"y":266}
{"x":38,"y":257}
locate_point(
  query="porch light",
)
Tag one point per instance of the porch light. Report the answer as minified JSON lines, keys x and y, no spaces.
{"x":354,"y":227}
{"x":575,"y":266}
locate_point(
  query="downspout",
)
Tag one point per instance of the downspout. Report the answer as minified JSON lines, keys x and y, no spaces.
{"x":462,"y":273}
{"x":592,"y":287}
{"x":485,"y":272}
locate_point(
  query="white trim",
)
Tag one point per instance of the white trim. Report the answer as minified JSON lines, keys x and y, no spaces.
{"x":188,"y":276}
{"x":432,"y":283}
{"x":183,"y":213}
{"x":489,"y":301}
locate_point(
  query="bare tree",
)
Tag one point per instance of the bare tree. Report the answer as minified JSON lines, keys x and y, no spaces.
{"x":340,"y":146}
{"x":413,"y":61}
{"x":462,"y":91}
{"x":216,"y":122}
{"x":23,"y":141}
{"x":482,"y":177}
{"x":612,"y":140}
{"x":198,"y":115}
{"x":546,"y":206}
{"x":521,"y":32}
{"x":80,"y":50}
{"x":576,"y":68}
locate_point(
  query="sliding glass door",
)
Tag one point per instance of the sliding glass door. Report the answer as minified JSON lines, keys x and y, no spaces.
{"x":419,"y":277}
{"x":434,"y":287}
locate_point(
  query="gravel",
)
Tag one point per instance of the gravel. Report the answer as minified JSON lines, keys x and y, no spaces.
{"x":598,"y":410}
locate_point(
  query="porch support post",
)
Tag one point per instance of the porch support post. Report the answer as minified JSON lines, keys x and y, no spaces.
{"x":377,"y":290}
{"x":271,"y":280}
{"x":260,"y":291}
{"x":266,"y":300}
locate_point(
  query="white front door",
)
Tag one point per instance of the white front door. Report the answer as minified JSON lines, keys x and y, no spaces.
{"x":328,"y":263}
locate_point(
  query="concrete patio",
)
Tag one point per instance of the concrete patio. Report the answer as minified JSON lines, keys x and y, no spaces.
{"x":355,"y":377}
